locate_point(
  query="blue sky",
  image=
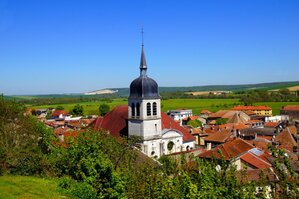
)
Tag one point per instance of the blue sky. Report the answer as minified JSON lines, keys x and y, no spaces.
{"x":61,"y":46}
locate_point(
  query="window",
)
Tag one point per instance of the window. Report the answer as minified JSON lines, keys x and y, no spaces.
{"x":133,"y":109}
{"x":148,"y":109}
{"x":137,"y":109}
{"x":154,"y":108}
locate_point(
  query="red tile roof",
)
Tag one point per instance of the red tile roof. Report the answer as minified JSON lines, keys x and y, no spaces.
{"x":255,"y":161}
{"x":286,"y":140}
{"x":194,"y":117}
{"x":249,"y":108}
{"x":56,"y":113}
{"x":271,"y":124}
{"x":228,"y":150}
{"x":253,"y":121}
{"x":293,"y":130}
{"x":219,"y":136}
{"x":233,"y":126}
{"x":116,"y":123}
{"x":248,"y":112}
{"x":61,"y":130}
{"x":290,"y":108}
{"x":168,"y":123}
{"x":256,"y":175}
{"x":205,"y":112}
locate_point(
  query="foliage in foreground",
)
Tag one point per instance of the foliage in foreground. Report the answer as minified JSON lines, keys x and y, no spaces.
{"x":96,"y":165}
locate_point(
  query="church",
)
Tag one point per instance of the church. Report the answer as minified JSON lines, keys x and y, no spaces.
{"x":143,"y":117}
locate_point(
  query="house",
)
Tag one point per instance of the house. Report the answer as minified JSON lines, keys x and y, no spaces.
{"x":179,"y":115}
{"x":217,"y":138}
{"x":258,"y":110}
{"x":255,"y":159}
{"x":256,"y":175}
{"x":205,"y":113}
{"x":231,"y":116}
{"x":277,"y":118}
{"x":230,"y":151}
{"x":59,"y":114}
{"x":291,"y":110}
{"x":286,"y":140}
{"x":142,"y":117}
{"x":255,"y":123}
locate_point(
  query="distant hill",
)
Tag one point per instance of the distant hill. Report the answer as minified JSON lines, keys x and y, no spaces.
{"x":124,"y":92}
{"x":100,"y":92}
{"x":237,"y":87}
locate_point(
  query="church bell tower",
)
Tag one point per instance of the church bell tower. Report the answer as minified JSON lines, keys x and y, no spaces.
{"x":144,"y":114}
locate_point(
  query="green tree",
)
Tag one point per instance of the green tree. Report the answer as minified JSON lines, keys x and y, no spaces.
{"x":24,"y":141}
{"x":104,"y":109}
{"x":59,"y":108}
{"x":220,"y":121}
{"x":77,"y":110}
{"x":85,"y":161}
{"x":194,"y":123}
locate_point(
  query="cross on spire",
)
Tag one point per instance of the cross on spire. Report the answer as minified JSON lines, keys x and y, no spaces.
{"x":143,"y":66}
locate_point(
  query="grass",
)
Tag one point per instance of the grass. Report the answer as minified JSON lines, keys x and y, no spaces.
{"x":199,"y":104}
{"x":90,"y":108}
{"x":195,"y":104}
{"x":276,"y":106}
{"x":28,"y":187}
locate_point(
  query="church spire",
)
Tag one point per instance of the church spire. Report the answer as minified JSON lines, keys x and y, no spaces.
{"x":143,"y":66}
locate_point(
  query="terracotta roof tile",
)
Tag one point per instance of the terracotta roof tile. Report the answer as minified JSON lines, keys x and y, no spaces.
{"x":255,"y":161}
{"x":271,"y":124}
{"x":56,"y":113}
{"x":228,"y":150}
{"x":116,"y":123}
{"x":205,"y":112}
{"x":290,"y":108}
{"x":219,"y":136}
{"x":256,"y":175}
{"x":286,"y":140}
{"x":246,"y":108}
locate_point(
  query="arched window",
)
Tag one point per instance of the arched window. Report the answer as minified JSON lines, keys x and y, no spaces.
{"x":148,"y":109}
{"x":137,"y":109}
{"x":133,"y":109}
{"x":154,"y":108}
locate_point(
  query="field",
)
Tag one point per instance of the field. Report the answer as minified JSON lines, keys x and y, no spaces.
{"x":28,"y":187}
{"x":90,"y":108}
{"x":276,"y":105}
{"x":195,"y":104}
{"x":199,"y":104}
